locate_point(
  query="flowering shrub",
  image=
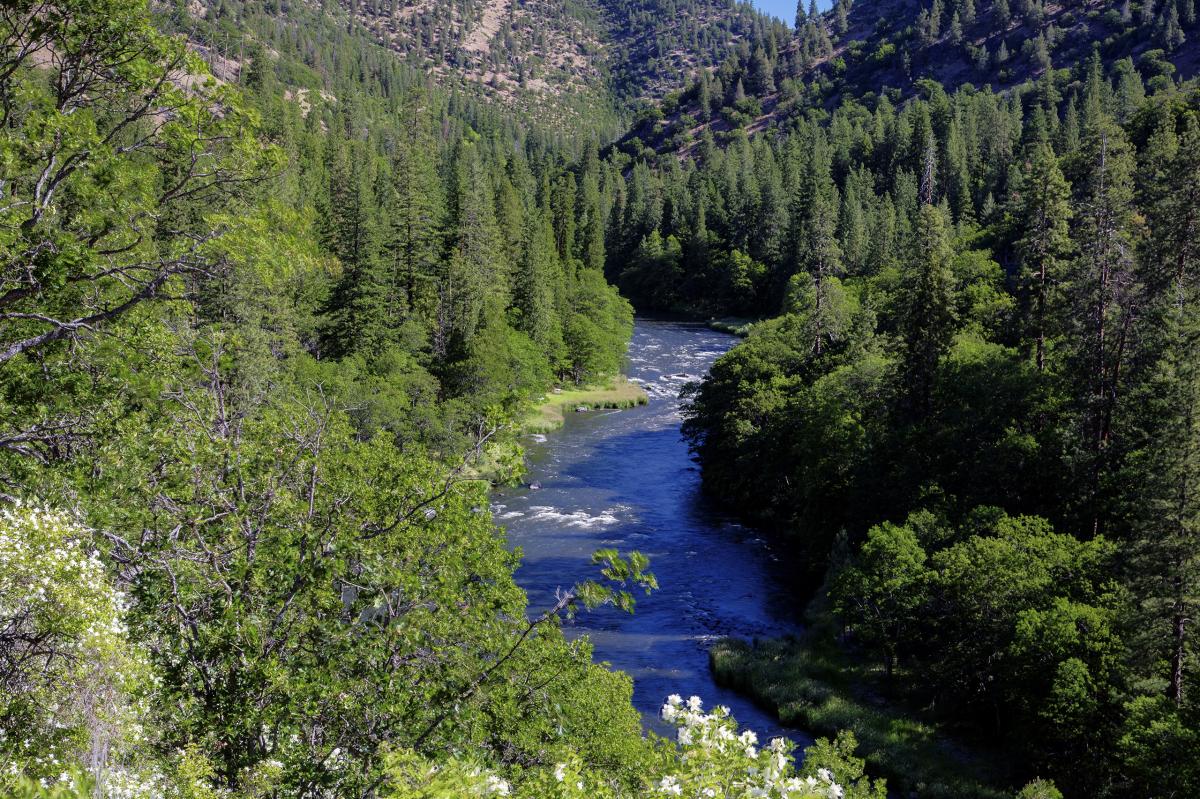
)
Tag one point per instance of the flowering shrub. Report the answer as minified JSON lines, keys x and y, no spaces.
{"x":716,"y":761}
{"x":74,"y":690}
{"x":71,"y":678}
{"x":711,"y":761}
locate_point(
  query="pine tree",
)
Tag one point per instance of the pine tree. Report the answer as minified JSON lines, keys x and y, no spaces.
{"x":1002,"y":53}
{"x":1104,"y":286}
{"x":563,"y":198}
{"x":768,"y":244}
{"x":761,"y":79}
{"x":1003,"y":14}
{"x":1172,"y":34}
{"x":1068,"y":132}
{"x":416,"y":217}
{"x":1164,"y":418}
{"x":473,"y":271}
{"x":822,"y":258}
{"x":538,"y":274}
{"x":852,"y":230}
{"x":1041,"y":210}
{"x":1130,"y":90}
{"x":929,"y":317}
{"x":1041,"y":53}
{"x":1166,"y":550}
{"x":357,"y":307}
{"x":589,"y":246}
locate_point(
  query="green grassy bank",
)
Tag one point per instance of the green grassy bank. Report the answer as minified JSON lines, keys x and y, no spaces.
{"x":735,"y":325}
{"x":812,"y":684}
{"x":615,"y":393}
{"x":502,"y":461}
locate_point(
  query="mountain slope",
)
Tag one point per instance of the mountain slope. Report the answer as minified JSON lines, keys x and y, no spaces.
{"x":890,"y":47}
{"x":568,"y":64}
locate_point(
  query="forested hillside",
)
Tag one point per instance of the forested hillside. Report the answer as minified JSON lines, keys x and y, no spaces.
{"x":564,"y":66}
{"x":973,"y":411}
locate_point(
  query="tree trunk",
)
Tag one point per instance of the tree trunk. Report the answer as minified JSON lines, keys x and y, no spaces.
{"x":1179,"y":641}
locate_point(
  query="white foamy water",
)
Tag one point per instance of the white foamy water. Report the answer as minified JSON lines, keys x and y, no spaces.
{"x":579,"y":518}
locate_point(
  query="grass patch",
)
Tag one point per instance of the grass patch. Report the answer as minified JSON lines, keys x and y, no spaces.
{"x":734,"y":325}
{"x":551,"y":412}
{"x":812,"y":684}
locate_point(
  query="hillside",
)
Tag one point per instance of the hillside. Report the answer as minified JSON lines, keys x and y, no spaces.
{"x":890,"y":47}
{"x":563,"y":64}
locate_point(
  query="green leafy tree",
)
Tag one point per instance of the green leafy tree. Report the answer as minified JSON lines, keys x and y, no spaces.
{"x":881,"y":594}
{"x":80,"y":133}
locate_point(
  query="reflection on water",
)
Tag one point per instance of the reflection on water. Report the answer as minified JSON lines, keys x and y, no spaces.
{"x":624,"y":479}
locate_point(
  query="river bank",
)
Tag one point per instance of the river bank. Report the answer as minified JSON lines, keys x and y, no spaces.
{"x":810,"y":681}
{"x":617,"y":393}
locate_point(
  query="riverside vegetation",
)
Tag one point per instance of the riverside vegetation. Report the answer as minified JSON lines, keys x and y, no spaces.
{"x":259,"y":330}
{"x":974,"y":414}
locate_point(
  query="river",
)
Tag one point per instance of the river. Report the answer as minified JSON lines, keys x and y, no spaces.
{"x":625,"y":479}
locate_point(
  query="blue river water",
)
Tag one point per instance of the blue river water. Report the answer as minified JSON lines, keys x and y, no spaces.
{"x":625,"y":479}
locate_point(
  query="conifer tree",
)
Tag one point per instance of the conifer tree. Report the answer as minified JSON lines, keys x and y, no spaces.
{"x":822,"y":258}
{"x":1003,"y":15}
{"x":538,"y":275}
{"x":1166,"y":501}
{"x":1041,"y":211}
{"x":1166,"y":551}
{"x":1171,"y":34}
{"x":761,"y":79}
{"x":416,"y":218}
{"x":589,"y":233}
{"x":841,"y":17}
{"x":564,"y":195}
{"x":929,"y":317}
{"x":1104,"y":284}
{"x":472,"y":270}
{"x":357,"y":309}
